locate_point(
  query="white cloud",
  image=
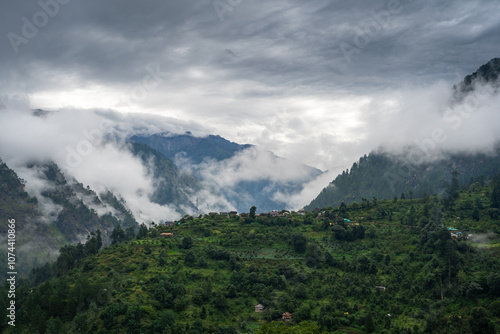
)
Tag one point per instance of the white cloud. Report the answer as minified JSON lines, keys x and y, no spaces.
{"x":252,"y":164}
{"x":73,"y":139}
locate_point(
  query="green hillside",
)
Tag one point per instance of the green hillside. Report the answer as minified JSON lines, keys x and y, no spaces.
{"x":386,"y":176}
{"x":32,"y":230}
{"x":172,"y":186}
{"x":40,"y":234}
{"x":382,"y":266}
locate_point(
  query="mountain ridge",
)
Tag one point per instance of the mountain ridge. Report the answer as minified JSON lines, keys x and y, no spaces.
{"x":204,"y":156}
{"x":384,"y":175}
{"x":196,"y":148}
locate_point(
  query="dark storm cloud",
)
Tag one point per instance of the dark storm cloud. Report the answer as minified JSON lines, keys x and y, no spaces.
{"x":284,"y":43}
{"x":236,"y":64}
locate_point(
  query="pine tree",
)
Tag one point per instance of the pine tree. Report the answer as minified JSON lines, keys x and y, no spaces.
{"x":252,"y":212}
{"x":369,"y":325}
{"x":118,"y":235}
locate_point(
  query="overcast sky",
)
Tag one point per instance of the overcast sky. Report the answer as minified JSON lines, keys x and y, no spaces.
{"x":318,"y":81}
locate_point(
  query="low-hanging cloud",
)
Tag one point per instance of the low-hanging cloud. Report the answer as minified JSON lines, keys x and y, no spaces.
{"x":282,"y":178}
{"x":238,"y":73}
{"x":252,"y":164}
{"x":36,"y":184}
{"x":88,"y":146}
{"x":418,"y":124}
{"x":425,"y":119}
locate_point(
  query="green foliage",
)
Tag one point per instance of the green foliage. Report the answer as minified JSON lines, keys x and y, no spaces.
{"x":425,"y":280}
{"x":187,"y":242}
{"x":118,"y":235}
{"x":282,"y":328}
{"x":299,"y":242}
{"x":387,"y":176}
{"x":143,"y":231}
{"x":252,"y":212}
{"x":314,"y":256}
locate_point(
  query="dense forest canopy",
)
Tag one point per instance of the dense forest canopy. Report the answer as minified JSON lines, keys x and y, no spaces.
{"x":408,"y":265}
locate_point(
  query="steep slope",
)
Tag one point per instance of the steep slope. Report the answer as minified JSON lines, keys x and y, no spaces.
{"x":342,"y":271}
{"x":36,"y":242}
{"x":386,"y":175}
{"x":383,"y":175}
{"x":76,"y":207}
{"x":486,"y":74}
{"x":63,"y":212}
{"x":172,"y":186}
{"x":243,"y":174}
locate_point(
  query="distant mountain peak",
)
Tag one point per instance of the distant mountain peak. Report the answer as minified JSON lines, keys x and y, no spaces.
{"x":196,"y":149}
{"x":486,"y":74}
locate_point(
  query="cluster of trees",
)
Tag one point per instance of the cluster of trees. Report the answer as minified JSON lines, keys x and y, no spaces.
{"x":70,"y":257}
{"x":211,"y":274}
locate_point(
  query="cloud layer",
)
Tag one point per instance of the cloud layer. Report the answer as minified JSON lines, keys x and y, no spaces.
{"x":319,"y":82}
{"x":294,"y":77}
{"x":78,"y":142}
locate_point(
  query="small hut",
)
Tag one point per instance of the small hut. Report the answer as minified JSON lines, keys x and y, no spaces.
{"x":259,"y":308}
{"x":287,"y":316}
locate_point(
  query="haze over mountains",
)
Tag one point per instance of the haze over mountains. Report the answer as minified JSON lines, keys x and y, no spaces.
{"x":460,"y":142}
{"x":358,"y":140}
{"x":128,"y":156}
{"x":86,"y":170}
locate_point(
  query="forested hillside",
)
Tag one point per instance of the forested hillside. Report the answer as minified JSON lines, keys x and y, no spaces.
{"x":212,"y":160}
{"x":172,"y":186}
{"x":386,"y":176}
{"x":64,"y":213}
{"x":386,"y":266}
{"x":33,"y":231}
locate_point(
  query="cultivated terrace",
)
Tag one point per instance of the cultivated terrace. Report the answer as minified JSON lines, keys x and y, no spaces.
{"x":385,"y":266}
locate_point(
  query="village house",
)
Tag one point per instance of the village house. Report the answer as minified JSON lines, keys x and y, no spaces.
{"x":302,"y":212}
{"x":287,"y":316}
{"x":380,"y":287}
{"x":454,"y":233}
{"x":259,"y":308}
{"x":274,"y":213}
